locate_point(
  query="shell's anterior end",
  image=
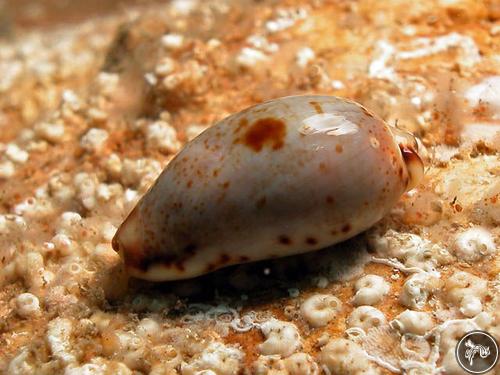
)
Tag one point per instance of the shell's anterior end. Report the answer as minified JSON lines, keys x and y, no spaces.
{"x":115,"y":242}
{"x":128,"y":239}
{"x":414,"y":166}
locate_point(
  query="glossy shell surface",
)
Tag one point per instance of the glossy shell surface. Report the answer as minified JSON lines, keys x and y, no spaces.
{"x":287,"y":176}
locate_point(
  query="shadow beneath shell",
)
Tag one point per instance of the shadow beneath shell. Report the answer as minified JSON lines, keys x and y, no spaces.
{"x":253,"y":284}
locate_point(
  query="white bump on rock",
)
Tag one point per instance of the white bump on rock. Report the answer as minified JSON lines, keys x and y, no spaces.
{"x":16,"y":154}
{"x":27,"y":305}
{"x":94,"y":139}
{"x":281,"y":338}
{"x":474,"y":244}
{"x":370,"y":290}
{"x":319,"y":309}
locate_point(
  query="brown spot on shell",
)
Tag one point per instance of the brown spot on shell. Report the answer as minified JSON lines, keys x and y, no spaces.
{"x":241,"y":124}
{"x":176,"y":205}
{"x":329,"y":199}
{"x":265,"y":131}
{"x":224,"y":258}
{"x":243,"y":258}
{"x":190,"y":249}
{"x":346,"y":228}
{"x":339,"y":148}
{"x":311,"y":241}
{"x":317,"y":107}
{"x":189,"y":184}
{"x":166,"y":260}
{"x":210,"y":267}
{"x":284,"y":240}
{"x":261,"y":202}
